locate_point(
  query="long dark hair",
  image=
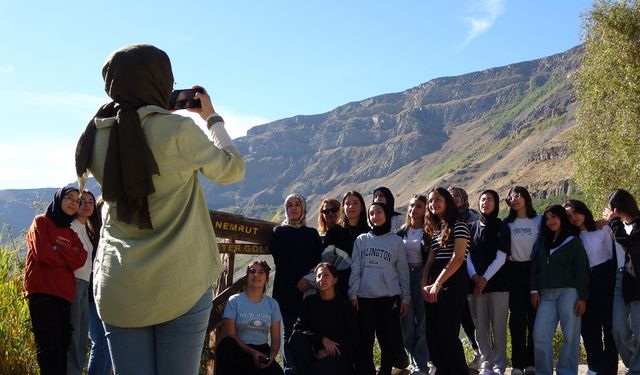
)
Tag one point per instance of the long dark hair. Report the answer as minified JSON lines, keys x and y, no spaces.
{"x":566,"y":229}
{"x":491,"y":221}
{"x":94,"y":222}
{"x":581,"y":208}
{"x":623,"y":201}
{"x":433,"y":223}
{"x":418,"y":197}
{"x":528,"y":202}
{"x":362,"y":220}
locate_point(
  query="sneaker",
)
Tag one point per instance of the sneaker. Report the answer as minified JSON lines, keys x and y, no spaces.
{"x":591,"y":372}
{"x":516,"y":371}
{"x":497,"y":371}
{"x":475,"y":363}
{"x":530,"y":370}
{"x":432,"y":369}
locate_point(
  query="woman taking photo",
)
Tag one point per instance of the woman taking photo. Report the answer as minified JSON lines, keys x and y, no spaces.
{"x":379,"y":290}
{"x":524,"y":224}
{"x":559,"y":290}
{"x":296,"y":249}
{"x":148,"y":162}
{"x":351,"y":224}
{"x":445,"y":282}
{"x":415,"y":247}
{"x":54,"y":252}
{"x":602,"y":356}
{"x":249,"y":319}
{"x":489,"y":301}
{"x":325,"y":336}
{"x":624,"y":218}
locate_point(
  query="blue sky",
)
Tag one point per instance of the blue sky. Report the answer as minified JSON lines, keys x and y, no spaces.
{"x":259,"y":60}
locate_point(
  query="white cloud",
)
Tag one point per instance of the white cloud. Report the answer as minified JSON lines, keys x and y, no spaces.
{"x":7,"y":68}
{"x":483,"y":15}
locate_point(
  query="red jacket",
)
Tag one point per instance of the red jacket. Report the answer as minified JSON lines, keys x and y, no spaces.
{"x":54,"y":253}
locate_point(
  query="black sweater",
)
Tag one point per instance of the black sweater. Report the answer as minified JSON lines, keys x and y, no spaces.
{"x":335,"y":319}
{"x":631,"y":244}
{"x":296,"y":251}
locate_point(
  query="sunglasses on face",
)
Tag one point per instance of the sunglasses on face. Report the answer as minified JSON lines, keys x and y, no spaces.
{"x":327,"y":211}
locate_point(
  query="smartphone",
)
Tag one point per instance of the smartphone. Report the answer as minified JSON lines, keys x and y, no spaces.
{"x":182,"y":99}
{"x":263,"y":360}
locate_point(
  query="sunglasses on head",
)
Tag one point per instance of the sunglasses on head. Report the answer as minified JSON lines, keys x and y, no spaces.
{"x":326,"y":211}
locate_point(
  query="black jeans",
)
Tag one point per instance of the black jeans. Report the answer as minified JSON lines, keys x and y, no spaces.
{"x":381,"y":317}
{"x":305,"y":362}
{"x":231,"y":359}
{"x":442,"y":324}
{"x":602,"y":355}
{"x":51,"y":321}
{"x":522,"y":316}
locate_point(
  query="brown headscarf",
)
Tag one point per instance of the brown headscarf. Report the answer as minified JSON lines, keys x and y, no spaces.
{"x":134,"y":76}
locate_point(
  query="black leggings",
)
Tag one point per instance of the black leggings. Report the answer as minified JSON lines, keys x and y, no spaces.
{"x":51,"y":321}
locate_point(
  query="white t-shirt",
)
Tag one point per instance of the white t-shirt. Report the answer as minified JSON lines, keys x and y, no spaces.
{"x":411,"y":243}
{"x":84,"y":272}
{"x":524,"y":233}
{"x":598,"y":245}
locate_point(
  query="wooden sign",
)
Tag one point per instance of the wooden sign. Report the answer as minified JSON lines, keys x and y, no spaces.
{"x":243,"y":248}
{"x":220,"y":301}
{"x":238,"y":227}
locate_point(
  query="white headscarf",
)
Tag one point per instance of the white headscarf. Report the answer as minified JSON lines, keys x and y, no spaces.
{"x":302,"y":221}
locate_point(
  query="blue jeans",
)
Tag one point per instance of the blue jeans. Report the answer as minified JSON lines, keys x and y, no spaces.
{"x":413,"y":329}
{"x":99,"y":359}
{"x":626,"y":328}
{"x":77,"y":353}
{"x":557,"y":304}
{"x":173,"y":347}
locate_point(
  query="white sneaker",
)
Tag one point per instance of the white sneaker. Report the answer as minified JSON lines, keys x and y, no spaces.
{"x":432,"y":369}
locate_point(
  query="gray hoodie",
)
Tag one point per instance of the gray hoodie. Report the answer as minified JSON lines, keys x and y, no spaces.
{"x":379,"y":268}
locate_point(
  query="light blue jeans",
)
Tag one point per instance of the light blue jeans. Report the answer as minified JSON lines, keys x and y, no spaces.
{"x":557,"y":304}
{"x":626,"y":328}
{"x":99,"y":358}
{"x":413,"y":330}
{"x":77,"y":353}
{"x":173,"y":347}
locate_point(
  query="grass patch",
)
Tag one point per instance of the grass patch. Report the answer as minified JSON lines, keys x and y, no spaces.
{"x":17,"y":347}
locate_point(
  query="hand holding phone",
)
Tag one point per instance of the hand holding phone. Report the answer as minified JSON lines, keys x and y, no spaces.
{"x":264,"y":360}
{"x":184,"y":99}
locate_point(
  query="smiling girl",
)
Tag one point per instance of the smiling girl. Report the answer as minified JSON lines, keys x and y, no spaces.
{"x":559,"y":290}
{"x":54,"y":252}
{"x":379,"y":290}
{"x":325,"y":336}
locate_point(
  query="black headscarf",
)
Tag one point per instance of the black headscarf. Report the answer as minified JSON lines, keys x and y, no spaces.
{"x":55,"y":212}
{"x":134,"y":76}
{"x":491,"y":221}
{"x":390,"y":200}
{"x":384,"y":228}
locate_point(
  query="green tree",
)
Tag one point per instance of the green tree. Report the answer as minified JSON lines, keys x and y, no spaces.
{"x":605,"y":146}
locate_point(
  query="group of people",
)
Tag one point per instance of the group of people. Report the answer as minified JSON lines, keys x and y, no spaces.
{"x":137,"y":275}
{"x":409,"y":283}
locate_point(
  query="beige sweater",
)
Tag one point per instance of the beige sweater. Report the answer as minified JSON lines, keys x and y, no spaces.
{"x":147,"y":277}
